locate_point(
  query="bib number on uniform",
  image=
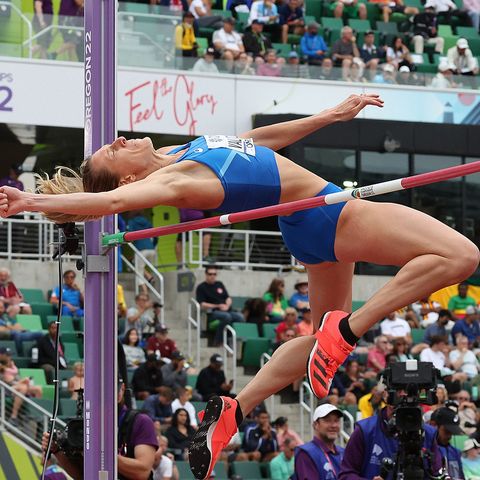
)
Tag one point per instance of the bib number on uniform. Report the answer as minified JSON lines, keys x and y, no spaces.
{"x":242,"y":145}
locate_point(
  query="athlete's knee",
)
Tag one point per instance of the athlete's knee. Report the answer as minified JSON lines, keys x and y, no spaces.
{"x":464,"y":261}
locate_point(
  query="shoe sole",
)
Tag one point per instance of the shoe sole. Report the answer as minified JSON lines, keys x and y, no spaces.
{"x":200,"y":450}
{"x":310,"y":359}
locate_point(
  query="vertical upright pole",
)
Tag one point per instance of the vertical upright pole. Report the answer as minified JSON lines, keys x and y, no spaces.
{"x":100,"y":441}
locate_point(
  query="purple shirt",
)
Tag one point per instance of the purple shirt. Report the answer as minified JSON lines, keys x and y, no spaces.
{"x":47,"y":9}
{"x":354,"y":456}
{"x":10,"y":182}
{"x":189,"y":214}
{"x":143,"y":431}
{"x":304,"y":466}
{"x":69,"y":8}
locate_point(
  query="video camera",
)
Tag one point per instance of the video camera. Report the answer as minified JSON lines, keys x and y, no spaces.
{"x":410,"y":384}
{"x":70,"y":439}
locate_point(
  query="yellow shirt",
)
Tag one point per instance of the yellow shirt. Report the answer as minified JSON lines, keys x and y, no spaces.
{"x":365,"y":406}
{"x":184,"y":37}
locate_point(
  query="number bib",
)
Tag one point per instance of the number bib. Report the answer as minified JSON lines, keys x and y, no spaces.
{"x":243,"y":145}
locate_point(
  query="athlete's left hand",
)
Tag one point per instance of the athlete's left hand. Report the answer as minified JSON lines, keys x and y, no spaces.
{"x":354,"y":104}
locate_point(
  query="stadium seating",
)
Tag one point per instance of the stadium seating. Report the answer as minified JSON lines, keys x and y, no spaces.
{"x":32,"y":322}
{"x":417,"y":335}
{"x":11,"y":345}
{"x":269,"y":330}
{"x":36,"y":374}
{"x":250,"y":470}
{"x":66,"y":323}
{"x":253,"y":349}
{"x":245,"y":331}
{"x":34,"y":295}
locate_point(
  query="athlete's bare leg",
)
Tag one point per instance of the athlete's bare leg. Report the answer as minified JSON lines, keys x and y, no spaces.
{"x":330,"y":288}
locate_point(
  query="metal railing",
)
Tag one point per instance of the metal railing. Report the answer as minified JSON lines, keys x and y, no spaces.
{"x":307,"y":406}
{"x":230,"y":351}
{"x":245,"y":249}
{"x":194,"y":323}
{"x":26,"y":428}
{"x":271,"y":400}
{"x":24,"y":19}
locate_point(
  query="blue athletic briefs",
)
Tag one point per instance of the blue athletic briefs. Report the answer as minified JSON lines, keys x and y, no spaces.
{"x":248,"y":172}
{"x":250,"y":179}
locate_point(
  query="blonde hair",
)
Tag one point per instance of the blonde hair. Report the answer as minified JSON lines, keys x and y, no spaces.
{"x":66,"y":180}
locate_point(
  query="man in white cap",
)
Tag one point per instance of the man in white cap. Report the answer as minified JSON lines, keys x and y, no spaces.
{"x":321,"y":458}
{"x":299,"y":299}
{"x":471,"y":459}
{"x":462,"y":59}
{"x":444,"y":77}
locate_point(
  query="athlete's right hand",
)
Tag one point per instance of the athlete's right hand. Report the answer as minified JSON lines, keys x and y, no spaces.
{"x":12,"y":201}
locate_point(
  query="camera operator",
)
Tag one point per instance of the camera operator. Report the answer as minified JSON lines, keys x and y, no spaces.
{"x":374,"y":439}
{"x":137,"y":444}
{"x":447,"y":422}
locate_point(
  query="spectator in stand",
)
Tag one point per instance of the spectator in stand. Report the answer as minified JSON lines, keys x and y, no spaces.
{"x":370,"y":54}
{"x":159,"y":407}
{"x":134,"y":354}
{"x":371,"y":403}
{"x":202,"y":11}
{"x":425,"y":30}
{"x":446,"y":9}
{"x":400,"y":350}
{"x":121,"y":303}
{"x":206,"y":64}
{"x":468,"y":326}
{"x":321,"y":457}
{"x":352,"y":381}
{"x":407,"y":77}
{"x":398,"y":54}
{"x":11,"y":296}
{"x":72,"y":296}
{"x":262,"y":438}
{"x":426,"y":310}
{"x":43,"y":16}
{"x":283,"y":465}
{"x":284,"y":432}
{"x":289,"y":323}
{"x":293,"y":67}
{"x":344,"y":50}
{"x":276,"y":301}
{"x":463,"y":359}
{"x":457,"y":304}
{"x":305,"y":327}
{"x":47,"y":354}
{"x":467,"y":411}
{"x":376,"y":356}
{"x":348,"y":8}
{"x":437,"y":354}
{"x":272,"y":67}
{"x":11,"y":180}
{"x":444,"y":77}
{"x":461,"y":58}
{"x":139,"y":316}
{"x":387,"y":7}
{"x":160,"y":344}
{"x":287,"y":335}
{"x":10,"y":328}
{"x":153,"y":322}
{"x":9,"y":375}
{"x":313,"y":45}
{"x":146,"y":246}
{"x":255,"y":311}
{"x":180,"y":434}
{"x":183,"y":401}
{"x":70,"y":14}
{"x":448,"y":424}
{"x":77,"y":380}
{"x":214,"y":299}
{"x":254,"y":40}
{"x":211,"y":380}
{"x":299,"y":299}
{"x":174,"y":373}
{"x":291,"y":19}
{"x":327,"y":72}
{"x":227,"y":42}
{"x":266,"y":12}
{"x":439,"y":327}
{"x":393,"y":327}
{"x":387,"y":75}
{"x":243,"y":66}
{"x":164,"y":468}
{"x":185,"y":41}
{"x":147,"y":378}
{"x":471,"y":459}
{"x":472,"y":8}
{"x":187,"y":215}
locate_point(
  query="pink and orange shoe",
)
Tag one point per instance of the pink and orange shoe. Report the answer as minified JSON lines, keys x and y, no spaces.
{"x":329,"y":352}
{"x":219,"y":425}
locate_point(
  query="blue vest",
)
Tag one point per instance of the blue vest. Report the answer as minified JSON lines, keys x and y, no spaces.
{"x":378,"y":445}
{"x":323,"y":466}
{"x":454,"y":461}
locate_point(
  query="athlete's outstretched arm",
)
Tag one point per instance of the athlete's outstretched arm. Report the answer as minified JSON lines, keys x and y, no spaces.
{"x":283,"y":134}
{"x":156,"y":189}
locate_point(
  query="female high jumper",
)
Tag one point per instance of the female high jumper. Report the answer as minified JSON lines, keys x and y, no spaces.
{"x":230,"y":174}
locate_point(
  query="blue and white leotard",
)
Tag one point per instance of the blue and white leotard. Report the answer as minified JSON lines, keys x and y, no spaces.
{"x":250,"y":179}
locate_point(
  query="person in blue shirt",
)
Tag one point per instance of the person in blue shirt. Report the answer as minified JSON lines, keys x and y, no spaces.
{"x":291,"y":19}
{"x":439,"y":327}
{"x":313,"y":45}
{"x":72,"y":296}
{"x":159,"y":407}
{"x":299,"y":300}
{"x":447,"y":422}
{"x":468,"y":326}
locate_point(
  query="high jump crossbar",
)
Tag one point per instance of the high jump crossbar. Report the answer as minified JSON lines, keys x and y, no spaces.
{"x":290,"y":207}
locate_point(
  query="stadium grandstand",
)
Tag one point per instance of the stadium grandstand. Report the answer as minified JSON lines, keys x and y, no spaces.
{"x":199,"y":313}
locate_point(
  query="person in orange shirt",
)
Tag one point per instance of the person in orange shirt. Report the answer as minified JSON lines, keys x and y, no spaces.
{"x":305,"y":327}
